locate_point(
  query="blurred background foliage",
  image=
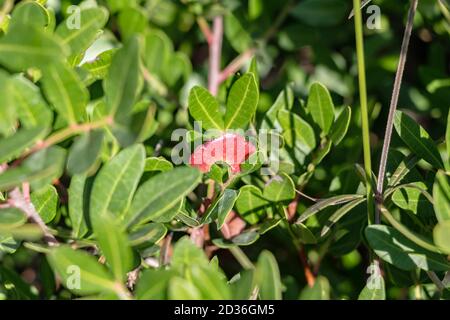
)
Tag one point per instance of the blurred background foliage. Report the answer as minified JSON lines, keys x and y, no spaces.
{"x":297,"y":42}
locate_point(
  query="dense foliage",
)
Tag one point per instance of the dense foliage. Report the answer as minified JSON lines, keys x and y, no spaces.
{"x":220,"y":149}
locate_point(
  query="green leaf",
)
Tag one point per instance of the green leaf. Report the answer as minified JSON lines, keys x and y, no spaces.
{"x":321,"y":13}
{"x":409,"y":197}
{"x":77,"y":206}
{"x":161,"y":193}
{"x":186,"y":253}
{"x":114,"y":245}
{"x":284,"y":101}
{"x":238,"y":37}
{"x":242,"y":102}
{"x":209,"y":282}
{"x":31,"y":107}
{"x":26,"y":46}
{"x":243,"y":287}
{"x":147,"y":234}
{"x":157,"y":51}
{"x":153,"y":284}
{"x":84,"y":152}
{"x":321,"y":106}
{"x":131,"y":21}
{"x":39,"y":169}
{"x":11,"y":147}
{"x":268,"y":277}
{"x":96,"y":69}
{"x":340,"y":126}
{"x":303,"y":233}
{"x":182,"y":289}
{"x":122,"y":82}
{"x":333,"y":201}
{"x":249,"y":201}
{"x":374,"y":293}
{"x":441,"y":235}
{"x":45,"y":201}
{"x":441,"y":196}
{"x":221,"y":208}
{"x":417,"y":139}
{"x":447,"y":136}
{"x":339,"y":214}
{"x":297,"y":130}
{"x":71,"y":265}
{"x":204,"y":108}
{"x":279,"y":188}
{"x":402,"y":170}
{"x":30,"y":12}
{"x":79,"y":39}
{"x":157,"y":164}
{"x":320,"y":290}
{"x":116,"y":183}
{"x":12,"y":218}
{"x":65,"y":91}
{"x":246,"y":238}
{"x":391,"y":246}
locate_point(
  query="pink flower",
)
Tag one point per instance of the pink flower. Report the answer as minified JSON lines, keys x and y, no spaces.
{"x":230,"y":148}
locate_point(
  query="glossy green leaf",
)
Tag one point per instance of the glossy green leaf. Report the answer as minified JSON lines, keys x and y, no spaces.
{"x":417,"y":139}
{"x":26,"y":46}
{"x":320,"y":290}
{"x":131,"y":21}
{"x":77,"y":205}
{"x":12,"y":218}
{"x":303,"y":233}
{"x":114,"y":245}
{"x":249,"y":201}
{"x":243,"y":287}
{"x":32,"y":109}
{"x":297,"y":131}
{"x":221,"y":208}
{"x":235,"y":33}
{"x":340,"y":126}
{"x":157,"y":51}
{"x":246,"y":238}
{"x":441,"y":197}
{"x":11,"y":147}
{"x":39,"y":169}
{"x":374,"y":293}
{"x":268,"y":277}
{"x":84,"y":152}
{"x":157,"y":164}
{"x":333,"y":201}
{"x":209,"y":282}
{"x":321,"y":107}
{"x":284,"y":101}
{"x":242,"y":102}
{"x":204,"y":108}
{"x":339,"y":214}
{"x":182,"y":289}
{"x":391,"y":246}
{"x":97,"y":69}
{"x":79,"y":38}
{"x":441,"y":235}
{"x":65,"y":91}
{"x":153,"y":284}
{"x":279,"y":188}
{"x":116,"y":183}
{"x":30,"y":12}
{"x":45,"y":201}
{"x":160,"y":193}
{"x":122,"y":82}
{"x":150,"y":233}
{"x":79,"y":271}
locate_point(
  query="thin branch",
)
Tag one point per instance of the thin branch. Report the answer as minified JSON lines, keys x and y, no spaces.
{"x":236,"y":64}
{"x":206,"y":30}
{"x":393,"y":105}
{"x":17,"y":200}
{"x":215,"y":54}
{"x":66,"y":133}
{"x":242,"y":258}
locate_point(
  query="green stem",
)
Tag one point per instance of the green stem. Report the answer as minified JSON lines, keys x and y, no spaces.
{"x":364,"y":109}
{"x":242,"y":258}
